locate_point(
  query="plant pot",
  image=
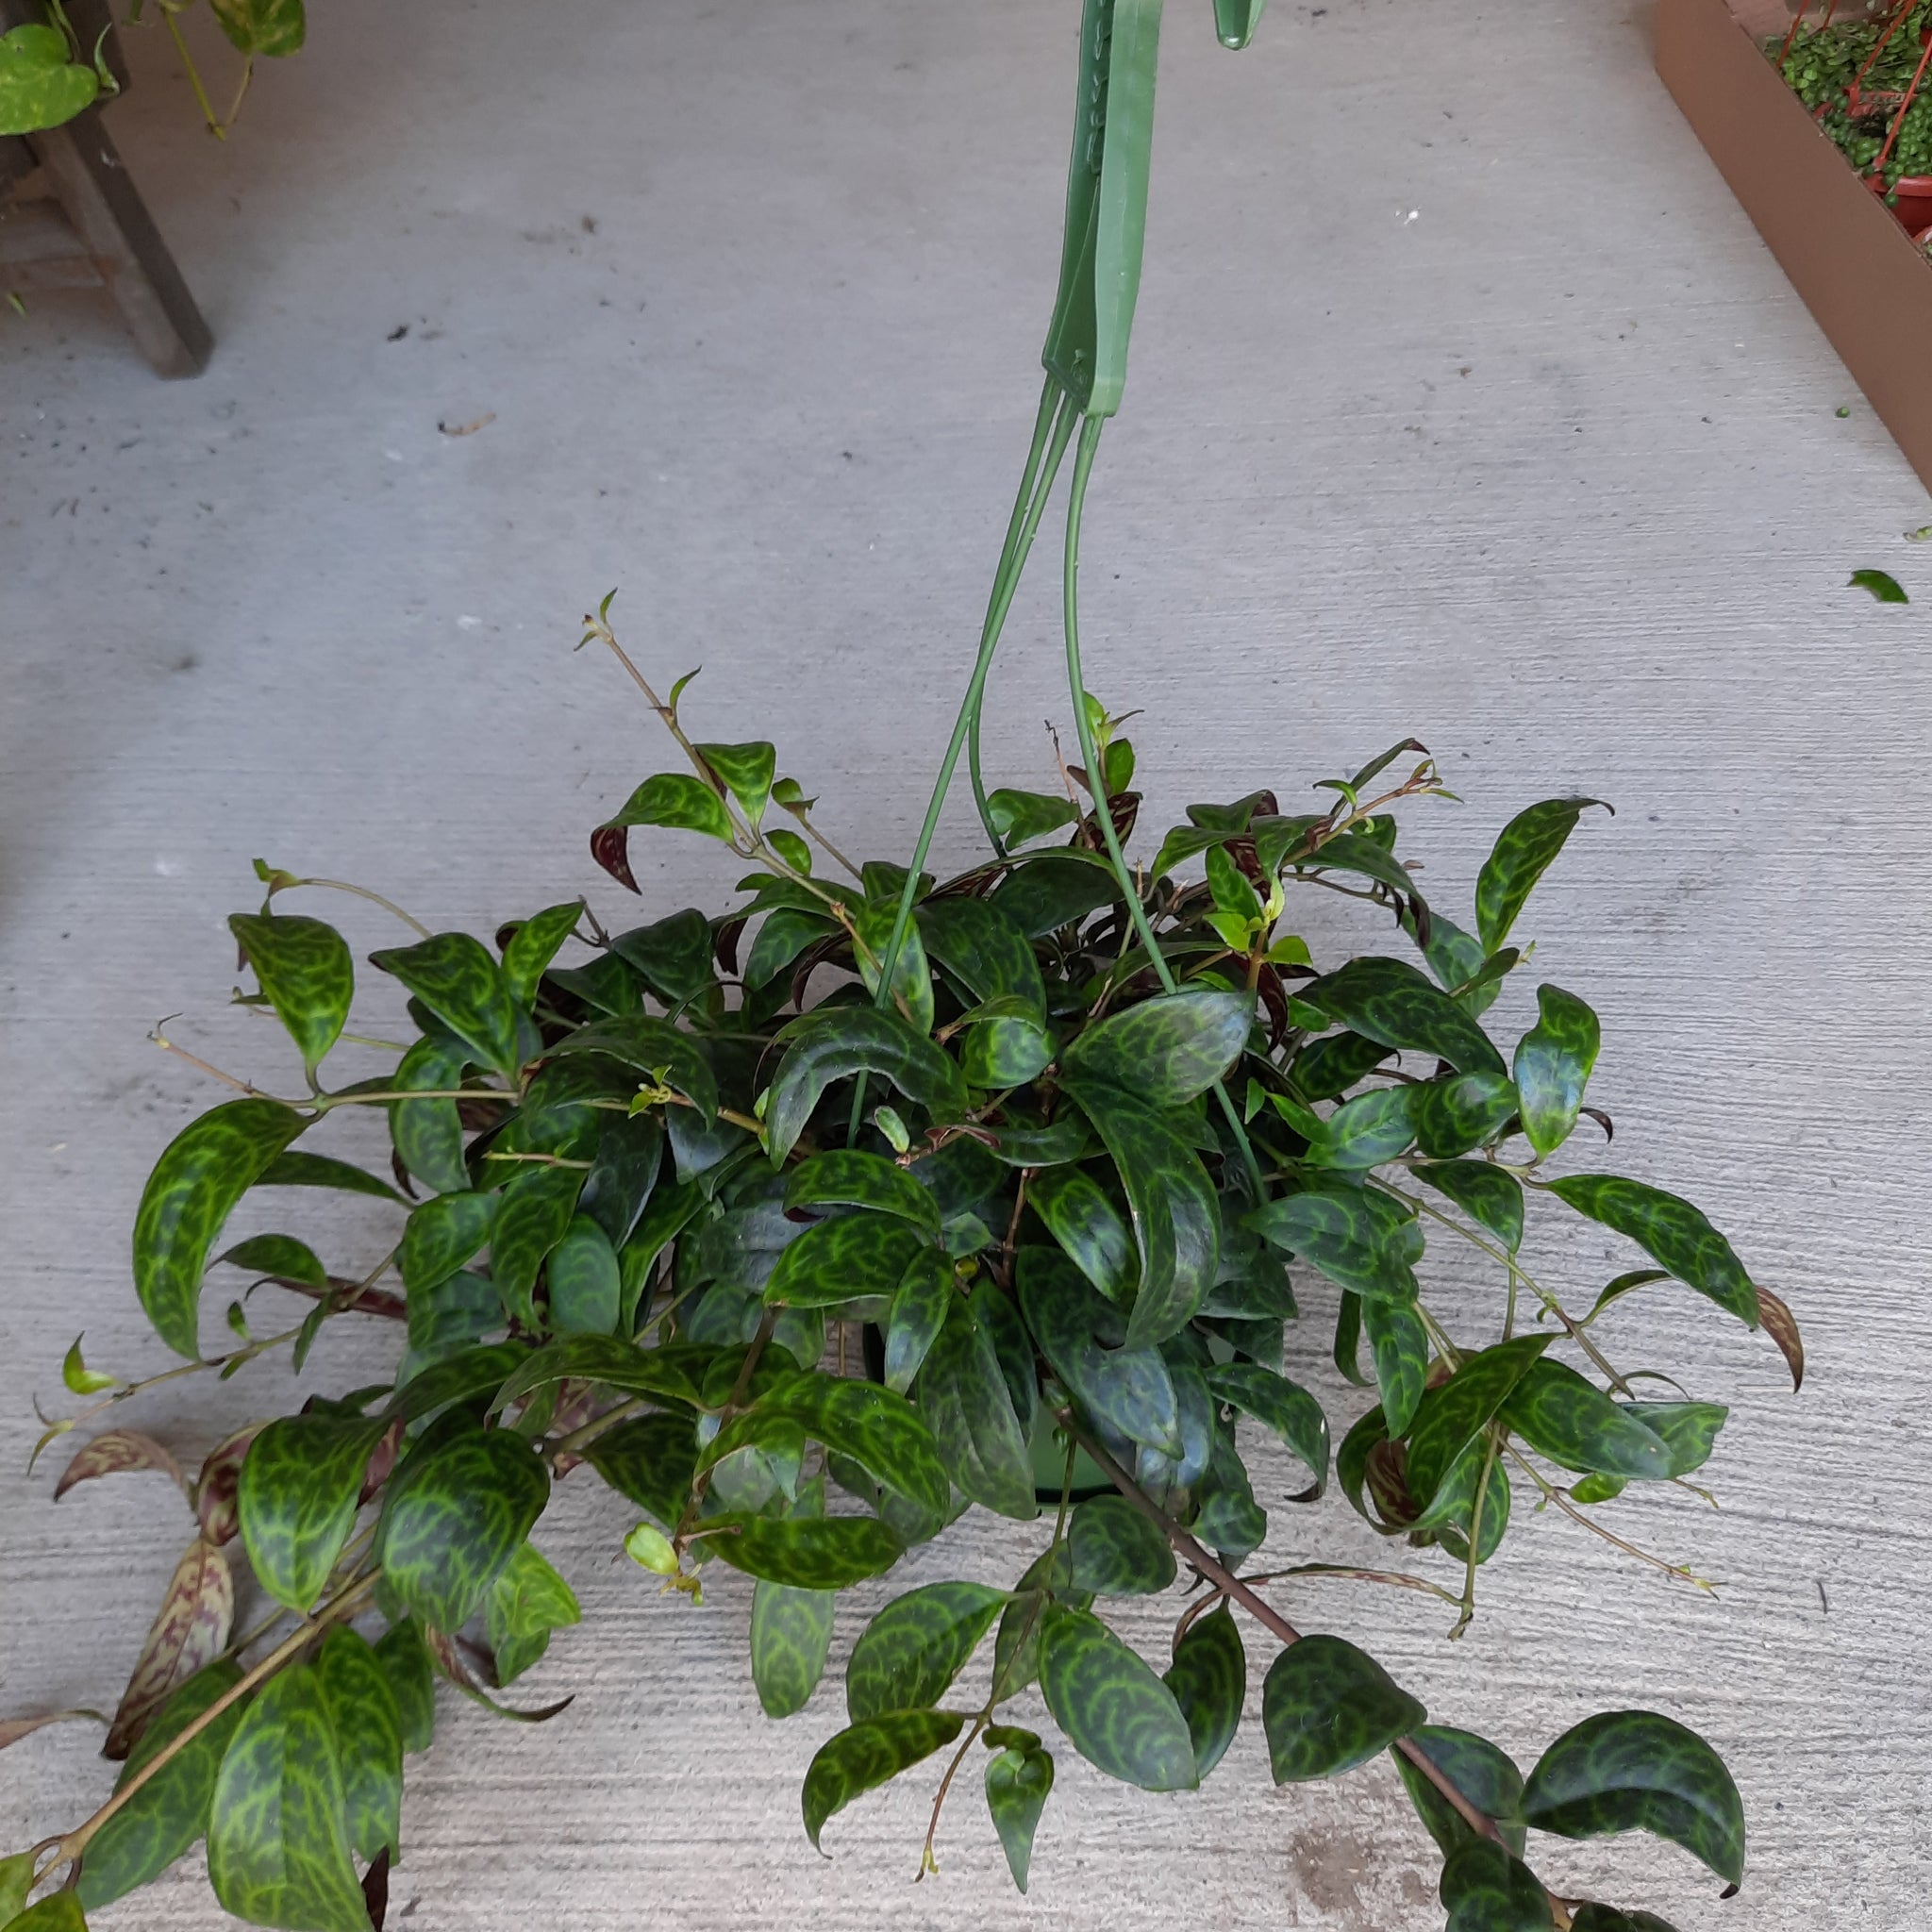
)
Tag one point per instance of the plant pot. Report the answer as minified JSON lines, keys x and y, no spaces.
{"x":1909,"y":199}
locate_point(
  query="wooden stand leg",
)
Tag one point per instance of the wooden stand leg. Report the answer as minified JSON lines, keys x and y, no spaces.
{"x":126,"y":247}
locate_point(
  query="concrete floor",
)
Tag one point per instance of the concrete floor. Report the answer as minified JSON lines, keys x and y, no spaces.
{"x":1465,"y":402}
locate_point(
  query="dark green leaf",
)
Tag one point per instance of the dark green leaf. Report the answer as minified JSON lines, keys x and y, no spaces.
{"x":867,"y":1755}
{"x":527,"y":1602}
{"x":746,"y":770}
{"x":1389,"y":1001}
{"x":297,"y":1500}
{"x":831,"y":1043}
{"x":1018,"y":1778}
{"x":791,"y":1638}
{"x":926,"y":1291}
{"x":1401,"y":1347}
{"x":1553,"y":1061}
{"x":965,"y":1400}
{"x":1359,"y":1238}
{"x":1674,"y":1233}
{"x":1005,"y":1044}
{"x":1454,"y":1115}
{"x":1168,"y":1050}
{"x":461,"y":1378}
{"x":1325,"y":1068}
{"x":1635,"y":1771}
{"x":1041,"y":894}
{"x":1116,"y":1713}
{"x":786,"y":931}
{"x":1019,"y":817}
{"x":913,"y":996}
{"x":585,"y":1292}
{"x":656,"y":1048}
{"x":630,"y":1151}
{"x":842,"y":1260}
{"x":454,"y":975}
{"x":1083,"y":1221}
{"x":454,"y":1516}
{"x":1485,"y":1192}
{"x":1881,"y":585}
{"x":534,"y":944}
{"x":277,"y":1837}
{"x":170,"y":1811}
{"x":428,"y":1134}
{"x":676,"y":799}
{"x":404,"y":1661}
{"x":1128,"y":1391}
{"x":295,"y":1169}
{"x":1488,"y":1889}
{"x":536,"y":1213}
{"x":1522,"y":855}
{"x":1209,"y":1681}
{"x":1689,"y":1429}
{"x":280,"y":1255}
{"x":878,"y":1429}
{"x":1116,"y":1551}
{"x":1573,"y":1422}
{"x":1454,"y":1413}
{"x":832,"y":1554}
{"x":61,"y":1910}
{"x":910,"y":1651}
{"x":672,"y":956}
{"x":671,"y":1373}
{"x":1175,"y":1219}
{"x":652,"y":1460}
{"x":1371,"y":1128}
{"x":207,"y":1168}
{"x":983,"y":949}
{"x":442,"y":1235}
{"x":369,"y":1739}
{"x":1329,"y":1707}
{"x":305,"y":969}
{"x":1487,"y":1777}
{"x":849,"y":1179}
{"x":1285,"y":1406}
{"x":1594,"y":1918}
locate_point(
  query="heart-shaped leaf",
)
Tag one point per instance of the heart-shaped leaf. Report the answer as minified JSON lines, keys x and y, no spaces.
{"x":1018,"y":1778}
{"x":40,"y":86}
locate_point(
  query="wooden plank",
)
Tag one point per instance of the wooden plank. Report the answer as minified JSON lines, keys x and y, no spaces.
{"x":1859,"y":275}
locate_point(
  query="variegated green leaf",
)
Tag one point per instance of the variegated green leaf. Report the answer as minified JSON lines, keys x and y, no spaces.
{"x":652,"y":1460}
{"x":456,"y":1512}
{"x":1485,"y":1192}
{"x":1675,"y":1234}
{"x":847,"y":1178}
{"x":982,"y":948}
{"x":297,"y":1500}
{"x":274,"y":27}
{"x":1116,"y":1551}
{"x":1167,"y":1050}
{"x":869,"y":1755}
{"x":278,"y":1837}
{"x":926,"y":1291}
{"x":369,"y":1740}
{"x":454,"y":975}
{"x":1018,"y":1778}
{"x":535,"y":1215}
{"x":1554,"y":1059}
{"x":534,"y":944}
{"x":1359,"y":1238}
{"x":679,"y":800}
{"x":1116,"y":1713}
{"x":586,"y":1291}
{"x":1389,"y":1002}
{"x":1454,"y":1413}
{"x":428,"y":1134}
{"x":833,"y":1043}
{"x":404,"y":1661}
{"x":41,"y":84}
{"x":1085,"y":1224}
{"x":833,"y":1554}
{"x":655,"y":1048}
{"x":908,"y":1655}
{"x":1573,"y":1422}
{"x":1327,"y":1707}
{"x":847,"y":1259}
{"x":1209,"y":1681}
{"x":305,"y":969}
{"x":442,"y":1235}
{"x":1285,"y":1406}
{"x":527,"y":1602}
{"x":207,"y":1168}
{"x":1485,"y":1774}
{"x":1523,"y":853}
{"x":967,"y":1404}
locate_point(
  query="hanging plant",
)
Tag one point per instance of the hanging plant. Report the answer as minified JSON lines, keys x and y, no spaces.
{"x":809,"y":1226}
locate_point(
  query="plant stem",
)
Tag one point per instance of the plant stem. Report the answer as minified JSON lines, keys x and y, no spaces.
{"x":363,"y":892}
{"x":1475,"y":1530}
{"x":1264,"y":1614}
{"x":1096,"y":774}
{"x":344,"y":1604}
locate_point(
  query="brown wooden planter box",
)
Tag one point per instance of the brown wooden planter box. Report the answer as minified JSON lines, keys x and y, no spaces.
{"x":1860,"y":275}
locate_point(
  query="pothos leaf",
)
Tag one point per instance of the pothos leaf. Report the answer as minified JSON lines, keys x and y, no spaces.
{"x":277,"y":1837}
{"x":305,"y":969}
{"x":869,"y":1755}
{"x":274,"y":27}
{"x":1631,"y":1770}
{"x":207,"y":1168}
{"x":40,"y":86}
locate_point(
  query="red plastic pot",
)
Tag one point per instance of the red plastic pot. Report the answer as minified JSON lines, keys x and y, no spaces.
{"x":1913,"y":207}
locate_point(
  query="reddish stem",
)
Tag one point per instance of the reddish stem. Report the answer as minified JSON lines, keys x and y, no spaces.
{"x":1904,"y":107}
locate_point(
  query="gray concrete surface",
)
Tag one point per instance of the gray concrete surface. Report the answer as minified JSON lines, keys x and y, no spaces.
{"x":1465,"y":403}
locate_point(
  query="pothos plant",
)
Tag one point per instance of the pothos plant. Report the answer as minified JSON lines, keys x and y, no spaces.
{"x":50,"y":71}
{"x":810,"y":1226}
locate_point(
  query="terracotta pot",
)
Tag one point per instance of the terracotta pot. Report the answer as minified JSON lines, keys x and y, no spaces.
{"x":1913,"y":207}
